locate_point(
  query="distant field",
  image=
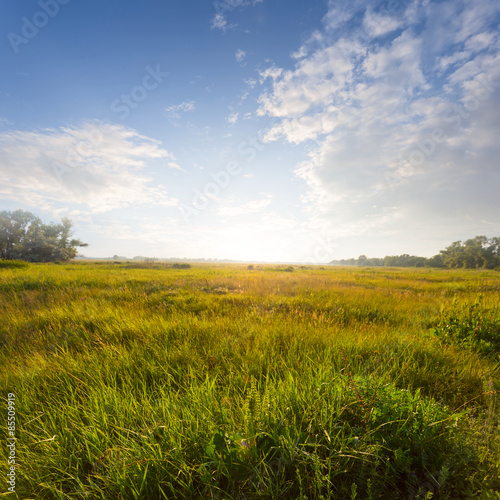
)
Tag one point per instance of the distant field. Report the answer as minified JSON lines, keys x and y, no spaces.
{"x":137,"y":381}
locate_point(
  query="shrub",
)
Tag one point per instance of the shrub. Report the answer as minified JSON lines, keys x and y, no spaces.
{"x":178,"y":265}
{"x":470,"y":325}
{"x":12,"y":264}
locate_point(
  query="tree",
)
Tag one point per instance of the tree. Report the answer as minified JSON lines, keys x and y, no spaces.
{"x":435,"y":261}
{"x":23,"y":236}
{"x":362,"y":260}
{"x":454,"y":255}
{"x":13,"y":228}
{"x":475,"y":252}
{"x":493,"y":253}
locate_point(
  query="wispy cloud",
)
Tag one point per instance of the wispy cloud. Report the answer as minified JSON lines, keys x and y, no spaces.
{"x":219,"y":22}
{"x":377,"y":24}
{"x":175,"y":110}
{"x":232,"y":118}
{"x":223,"y":7}
{"x":97,"y":166}
{"x":240,"y":55}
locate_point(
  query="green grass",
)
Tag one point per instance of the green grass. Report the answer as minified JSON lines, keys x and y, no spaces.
{"x":151,"y":381}
{"x":12,"y":264}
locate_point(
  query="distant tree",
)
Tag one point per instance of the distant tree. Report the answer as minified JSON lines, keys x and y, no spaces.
{"x":374,"y":261}
{"x":23,"y":236}
{"x":404,"y":260}
{"x":390,"y":260}
{"x":478,"y":252}
{"x":493,"y":253}
{"x":436,"y":261}
{"x":13,"y":228}
{"x":362,"y":260}
{"x":473,"y":253}
{"x":454,"y":255}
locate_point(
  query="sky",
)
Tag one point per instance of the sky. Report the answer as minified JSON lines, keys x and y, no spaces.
{"x":255,"y":130}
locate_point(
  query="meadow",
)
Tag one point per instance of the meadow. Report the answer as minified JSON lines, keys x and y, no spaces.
{"x":145,"y":381}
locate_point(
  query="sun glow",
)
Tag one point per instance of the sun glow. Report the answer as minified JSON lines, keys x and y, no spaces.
{"x":251,"y":246}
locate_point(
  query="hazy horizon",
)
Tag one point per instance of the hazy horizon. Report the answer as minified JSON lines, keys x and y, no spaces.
{"x":254,"y":130}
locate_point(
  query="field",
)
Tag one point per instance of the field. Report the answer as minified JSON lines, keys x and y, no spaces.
{"x":135,"y":381}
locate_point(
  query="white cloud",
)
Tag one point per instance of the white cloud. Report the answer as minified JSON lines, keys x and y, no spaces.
{"x":449,"y":60}
{"x":482,"y":41}
{"x":232,"y":118}
{"x":316,"y":82}
{"x":223,"y":7}
{"x":96,"y":165}
{"x":273,"y":72}
{"x":474,"y":19}
{"x":219,"y":22}
{"x":372,"y":110}
{"x":377,"y":24}
{"x":340,"y":13}
{"x":184,"y":107}
{"x":299,"y":54}
{"x":240,"y":55}
{"x":251,"y":82}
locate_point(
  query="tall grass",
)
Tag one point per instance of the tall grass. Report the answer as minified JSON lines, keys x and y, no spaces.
{"x":228,"y":382}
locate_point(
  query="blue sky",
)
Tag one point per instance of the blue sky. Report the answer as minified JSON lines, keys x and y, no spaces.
{"x":281,"y":130}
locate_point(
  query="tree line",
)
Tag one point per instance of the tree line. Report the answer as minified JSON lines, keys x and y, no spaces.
{"x":478,"y":252}
{"x":23,"y":236}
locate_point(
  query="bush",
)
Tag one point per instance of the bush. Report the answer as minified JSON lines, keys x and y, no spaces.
{"x":471,"y":326}
{"x":178,"y":265}
{"x":13,"y":264}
